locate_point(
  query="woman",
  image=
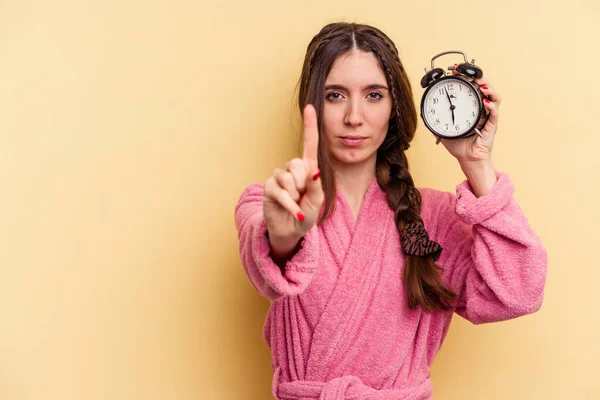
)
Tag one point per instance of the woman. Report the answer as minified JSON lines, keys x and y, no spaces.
{"x":364,"y":271}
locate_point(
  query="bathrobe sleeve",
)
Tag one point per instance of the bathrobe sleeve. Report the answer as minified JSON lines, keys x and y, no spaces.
{"x":265,"y":276}
{"x":492,"y":258}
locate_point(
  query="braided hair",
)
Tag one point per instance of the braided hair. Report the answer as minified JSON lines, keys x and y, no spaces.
{"x":421,"y":276}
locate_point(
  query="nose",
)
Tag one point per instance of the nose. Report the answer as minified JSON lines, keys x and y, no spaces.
{"x":354,"y":114}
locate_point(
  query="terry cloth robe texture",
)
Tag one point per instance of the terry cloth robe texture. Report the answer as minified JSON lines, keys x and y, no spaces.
{"x":338,"y":325}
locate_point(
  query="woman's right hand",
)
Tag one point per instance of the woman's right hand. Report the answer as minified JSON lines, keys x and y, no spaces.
{"x":293,"y":197}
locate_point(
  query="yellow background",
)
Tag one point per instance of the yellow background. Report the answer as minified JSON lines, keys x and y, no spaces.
{"x":129,"y":129}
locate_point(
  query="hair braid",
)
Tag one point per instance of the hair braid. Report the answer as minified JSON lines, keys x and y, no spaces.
{"x":422,"y":281}
{"x":395,"y":100}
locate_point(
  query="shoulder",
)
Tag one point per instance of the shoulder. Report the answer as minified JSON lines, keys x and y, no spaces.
{"x":435,"y":202}
{"x":252,"y":190}
{"x":248,"y":204}
{"x":250,"y":198}
{"x":437,"y":210}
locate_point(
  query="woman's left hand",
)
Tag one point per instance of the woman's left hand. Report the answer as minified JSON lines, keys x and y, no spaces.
{"x":476,"y":148}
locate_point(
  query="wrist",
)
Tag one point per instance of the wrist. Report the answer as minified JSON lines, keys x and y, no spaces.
{"x":283,"y":248}
{"x":481,"y":175}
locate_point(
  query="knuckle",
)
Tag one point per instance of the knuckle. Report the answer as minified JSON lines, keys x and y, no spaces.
{"x":278,"y":195}
{"x":268,"y":189}
{"x":292,"y":161}
{"x":287,"y":178}
{"x":295,"y":164}
{"x":309,"y":166}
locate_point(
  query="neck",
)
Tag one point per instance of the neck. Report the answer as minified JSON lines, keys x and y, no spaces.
{"x":353,"y":180}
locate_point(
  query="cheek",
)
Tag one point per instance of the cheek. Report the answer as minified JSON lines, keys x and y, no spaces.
{"x":333,"y":117}
{"x":381,"y":117}
{"x":385,"y":112}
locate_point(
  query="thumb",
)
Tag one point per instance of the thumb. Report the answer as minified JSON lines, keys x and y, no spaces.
{"x":314,"y":190}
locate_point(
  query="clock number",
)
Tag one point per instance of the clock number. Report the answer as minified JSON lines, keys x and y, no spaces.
{"x":450,"y":86}
{"x":435,"y":100}
{"x":469,"y":92}
{"x":441,"y":90}
{"x":457,"y":128}
{"x":474,"y":102}
{"x":433,"y":111}
{"x":473,"y":113}
{"x":437,"y":121}
{"x":460,"y":88}
{"x":446,"y":126}
{"x":468,"y":123}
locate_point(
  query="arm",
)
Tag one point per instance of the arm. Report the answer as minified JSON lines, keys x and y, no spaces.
{"x":271,"y":280}
{"x":493,"y":260}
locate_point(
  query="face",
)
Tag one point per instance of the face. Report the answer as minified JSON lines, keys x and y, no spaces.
{"x":357,"y":108}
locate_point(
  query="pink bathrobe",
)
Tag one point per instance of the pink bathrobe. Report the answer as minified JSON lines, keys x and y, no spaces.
{"x":339,"y":326}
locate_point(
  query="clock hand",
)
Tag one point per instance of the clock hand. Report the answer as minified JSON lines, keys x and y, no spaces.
{"x":451,"y":105}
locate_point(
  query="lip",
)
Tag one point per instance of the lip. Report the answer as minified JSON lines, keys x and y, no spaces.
{"x":352,"y":141}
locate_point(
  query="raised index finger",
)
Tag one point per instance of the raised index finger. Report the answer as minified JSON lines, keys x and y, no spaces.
{"x":311,"y":134}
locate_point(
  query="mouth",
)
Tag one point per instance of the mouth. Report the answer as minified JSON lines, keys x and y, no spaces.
{"x":352,"y":141}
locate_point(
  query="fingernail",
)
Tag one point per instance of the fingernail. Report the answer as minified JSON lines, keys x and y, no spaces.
{"x":317,"y":175}
{"x":484,"y":87}
{"x":486,"y":100}
{"x":300,"y":216}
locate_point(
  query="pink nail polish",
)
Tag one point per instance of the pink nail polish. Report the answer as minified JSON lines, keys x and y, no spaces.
{"x":486,"y":100}
{"x":300,"y":216}
{"x":484,"y":87}
{"x":317,"y":175}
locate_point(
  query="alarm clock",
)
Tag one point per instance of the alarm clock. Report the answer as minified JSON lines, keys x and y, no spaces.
{"x":452,"y":105}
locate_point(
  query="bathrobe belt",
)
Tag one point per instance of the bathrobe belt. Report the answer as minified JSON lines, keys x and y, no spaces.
{"x":349,"y":388}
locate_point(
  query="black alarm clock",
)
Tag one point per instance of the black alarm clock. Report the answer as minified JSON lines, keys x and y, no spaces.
{"x":452,"y":105}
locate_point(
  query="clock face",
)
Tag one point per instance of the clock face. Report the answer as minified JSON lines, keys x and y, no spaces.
{"x":451,"y":107}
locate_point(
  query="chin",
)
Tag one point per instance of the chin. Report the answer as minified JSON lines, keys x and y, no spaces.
{"x":352,"y":156}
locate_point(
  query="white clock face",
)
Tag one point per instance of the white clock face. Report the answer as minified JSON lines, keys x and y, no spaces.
{"x":451,"y":107}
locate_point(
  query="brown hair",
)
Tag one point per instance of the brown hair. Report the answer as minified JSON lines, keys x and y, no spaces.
{"x":422,"y":282}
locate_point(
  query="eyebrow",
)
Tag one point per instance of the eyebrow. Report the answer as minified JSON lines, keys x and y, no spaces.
{"x":368,"y":87}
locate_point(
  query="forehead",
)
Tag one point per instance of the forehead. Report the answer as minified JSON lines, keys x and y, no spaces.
{"x":357,"y":68}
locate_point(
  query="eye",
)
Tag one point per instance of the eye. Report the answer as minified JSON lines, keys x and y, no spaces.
{"x":377,"y":95}
{"x":333,"y":96}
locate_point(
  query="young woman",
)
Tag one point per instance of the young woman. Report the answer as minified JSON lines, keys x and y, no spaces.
{"x":364,"y":270}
